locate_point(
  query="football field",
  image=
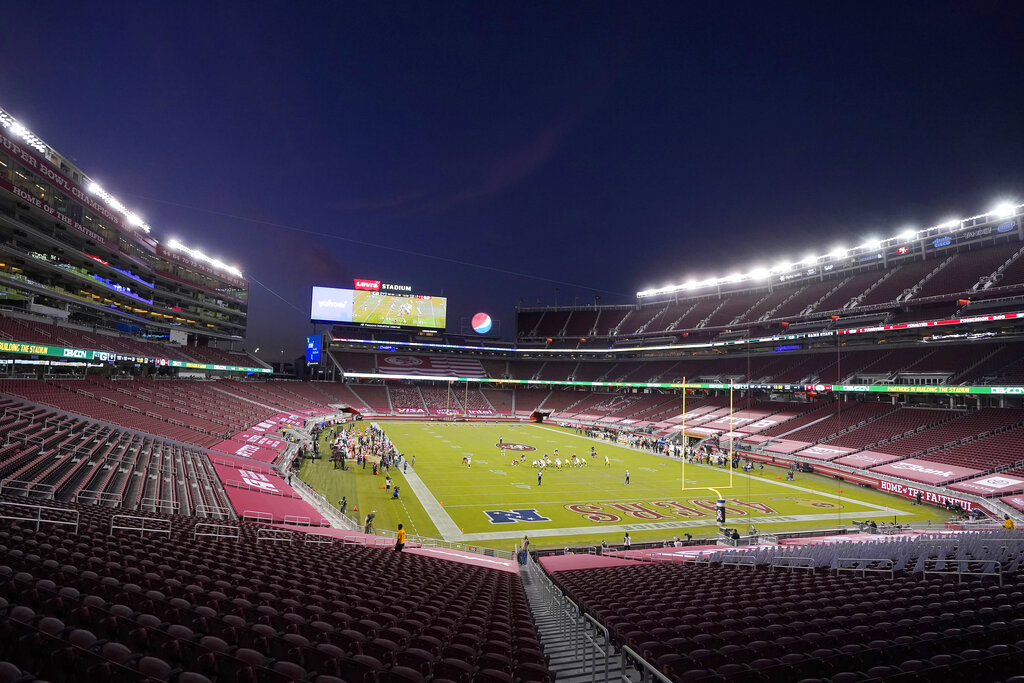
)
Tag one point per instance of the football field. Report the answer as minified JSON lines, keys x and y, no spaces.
{"x":494,"y":503}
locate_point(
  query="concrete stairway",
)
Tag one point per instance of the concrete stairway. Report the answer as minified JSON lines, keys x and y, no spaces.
{"x":576,"y":654}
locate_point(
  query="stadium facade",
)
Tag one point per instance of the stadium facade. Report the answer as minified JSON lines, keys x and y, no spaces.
{"x":73,"y":254}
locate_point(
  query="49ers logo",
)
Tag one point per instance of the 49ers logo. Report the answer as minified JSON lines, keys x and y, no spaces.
{"x":514,"y":447}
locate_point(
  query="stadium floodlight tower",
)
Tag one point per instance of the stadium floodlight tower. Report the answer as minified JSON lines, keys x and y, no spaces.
{"x":720,"y":501}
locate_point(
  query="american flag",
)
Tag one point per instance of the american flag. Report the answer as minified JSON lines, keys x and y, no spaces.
{"x":430,"y":367}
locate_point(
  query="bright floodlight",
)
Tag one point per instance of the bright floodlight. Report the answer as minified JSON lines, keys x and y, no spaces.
{"x":951,"y":223}
{"x":690,"y":284}
{"x":838,"y":252}
{"x":174,"y":243}
{"x":809,"y":259}
{"x":908,"y":234}
{"x":783,"y":266}
{"x":1003,"y":210}
{"x":871,"y":244}
{"x":758,"y":273}
{"x":134,"y":219}
{"x":94,"y":188}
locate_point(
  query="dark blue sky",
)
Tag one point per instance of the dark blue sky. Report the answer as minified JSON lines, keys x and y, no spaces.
{"x":606,"y":146}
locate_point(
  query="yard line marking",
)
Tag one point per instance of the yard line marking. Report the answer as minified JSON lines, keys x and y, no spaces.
{"x":446,"y":526}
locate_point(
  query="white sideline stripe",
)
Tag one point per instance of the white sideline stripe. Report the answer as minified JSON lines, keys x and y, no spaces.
{"x":446,"y":526}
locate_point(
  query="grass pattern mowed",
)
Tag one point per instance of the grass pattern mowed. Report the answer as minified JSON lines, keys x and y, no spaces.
{"x":585,"y":505}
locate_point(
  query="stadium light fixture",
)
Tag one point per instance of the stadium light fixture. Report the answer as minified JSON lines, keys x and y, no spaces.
{"x":758,"y":273}
{"x":1003,"y":210}
{"x":177,"y":245}
{"x":783,"y":267}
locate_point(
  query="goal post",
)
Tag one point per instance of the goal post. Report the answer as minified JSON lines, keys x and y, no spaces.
{"x":717,"y":489}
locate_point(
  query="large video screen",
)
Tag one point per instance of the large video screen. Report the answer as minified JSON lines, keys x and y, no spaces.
{"x":374,"y":309}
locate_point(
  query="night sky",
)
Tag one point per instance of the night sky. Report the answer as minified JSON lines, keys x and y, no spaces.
{"x":493,"y":152}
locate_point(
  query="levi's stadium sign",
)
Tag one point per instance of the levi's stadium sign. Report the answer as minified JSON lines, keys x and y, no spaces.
{"x":378,"y":286}
{"x":32,"y":349}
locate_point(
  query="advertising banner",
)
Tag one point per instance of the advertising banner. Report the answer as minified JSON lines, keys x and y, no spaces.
{"x":867,"y":459}
{"x":1014,"y":501}
{"x":261,"y":440}
{"x":910,"y":491}
{"x":33,"y":349}
{"x":246,"y":450}
{"x":924,"y":471}
{"x":992,"y":483}
{"x":824,"y":452}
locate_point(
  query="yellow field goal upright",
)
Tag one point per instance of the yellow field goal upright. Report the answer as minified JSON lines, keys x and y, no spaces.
{"x":717,"y":490}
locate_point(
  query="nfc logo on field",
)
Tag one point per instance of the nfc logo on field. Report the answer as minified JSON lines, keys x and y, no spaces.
{"x":510,"y":516}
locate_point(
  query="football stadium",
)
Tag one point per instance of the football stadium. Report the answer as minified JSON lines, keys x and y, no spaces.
{"x":810,"y":471}
{"x":849,"y":421}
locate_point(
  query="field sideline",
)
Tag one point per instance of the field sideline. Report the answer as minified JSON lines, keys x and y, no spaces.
{"x":493,"y":503}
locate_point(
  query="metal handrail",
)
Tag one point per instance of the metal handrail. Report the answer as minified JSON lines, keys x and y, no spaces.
{"x":98,"y":497}
{"x":274,"y":535}
{"x":159,"y":504}
{"x":964,"y":568}
{"x":151,"y":525}
{"x":216,"y":531}
{"x":791,"y":563}
{"x":257,"y":516}
{"x":29,"y":488}
{"x":739,"y":560}
{"x":871,"y":564}
{"x":642,"y":664}
{"x":39,"y":518}
{"x":212,"y":510}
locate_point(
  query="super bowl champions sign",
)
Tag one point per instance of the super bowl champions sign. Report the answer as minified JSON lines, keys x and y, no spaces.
{"x":28,"y":348}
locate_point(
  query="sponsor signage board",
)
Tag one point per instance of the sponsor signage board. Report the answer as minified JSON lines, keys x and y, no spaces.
{"x":989,"y":484}
{"x":924,"y":471}
{"x":824,"y":452}
{"x":866,"y":459}
{"x":1014,"y":502}
{"x":30,"y":348}
{"x":910,"y":491}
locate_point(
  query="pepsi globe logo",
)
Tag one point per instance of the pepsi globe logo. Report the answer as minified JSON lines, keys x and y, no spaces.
{"x":481,"y":323}
{"x":514,"y":447}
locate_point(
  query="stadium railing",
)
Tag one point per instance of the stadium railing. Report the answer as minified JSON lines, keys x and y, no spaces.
{"x":574,"y":627}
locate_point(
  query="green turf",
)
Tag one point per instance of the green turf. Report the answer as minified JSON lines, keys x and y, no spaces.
{"x":589,"y":504}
